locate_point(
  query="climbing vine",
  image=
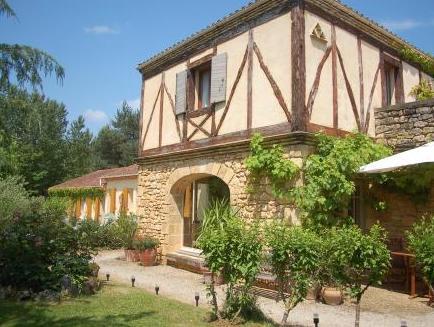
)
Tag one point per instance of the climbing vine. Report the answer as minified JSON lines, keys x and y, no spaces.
{"x":75,"y":193}
{"x":426,"y":62}
{"x":328,"y":174}
{"x":272,"y":164}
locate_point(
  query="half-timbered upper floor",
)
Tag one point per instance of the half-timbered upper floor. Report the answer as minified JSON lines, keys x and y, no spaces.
{"x":274,"y":66}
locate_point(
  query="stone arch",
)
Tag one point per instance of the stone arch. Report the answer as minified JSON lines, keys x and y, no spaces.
{"x":176,"y":184}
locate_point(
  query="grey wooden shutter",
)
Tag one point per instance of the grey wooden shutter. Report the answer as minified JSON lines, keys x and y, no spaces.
{"x":218,"y":78}
{"x":181,"y":92}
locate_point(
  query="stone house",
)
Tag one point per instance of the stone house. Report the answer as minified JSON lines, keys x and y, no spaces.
{"x":283,"y":68}
{"x":102,"y":192}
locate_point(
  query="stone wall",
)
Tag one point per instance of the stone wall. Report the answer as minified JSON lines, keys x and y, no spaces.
{"x":162,"y":182}
{"x":401,"y":211}
{"x":405,"y":125}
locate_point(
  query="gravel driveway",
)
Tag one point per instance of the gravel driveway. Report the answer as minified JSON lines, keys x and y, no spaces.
{"x":379,"y":307}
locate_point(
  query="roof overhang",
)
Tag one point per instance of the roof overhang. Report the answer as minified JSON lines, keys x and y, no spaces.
{"x":258,"y":12}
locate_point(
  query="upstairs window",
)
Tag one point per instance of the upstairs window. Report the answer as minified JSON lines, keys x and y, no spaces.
{"x":393,"y":89}
{"x":391,"y":74}
{"x":202,"y":81}
{"x":202,"y":85}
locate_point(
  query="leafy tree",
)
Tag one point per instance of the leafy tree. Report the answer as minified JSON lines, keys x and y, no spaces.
{"x":356,"y":260}
{"x":24,"y":63}
{"x":295,"y":254}
{"x":116,"y":144}
{"x":421,"y":243}
{"x":232,"y":247}
{"x":79,"y":149}
{"x":32,"y":139}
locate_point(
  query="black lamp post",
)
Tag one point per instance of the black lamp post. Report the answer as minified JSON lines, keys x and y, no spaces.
{"x":196,"y":298}
{"x":133,"y":280}
{"x":316,"y":319}
{"x":107,"y":276}
{"x":157,"y":289}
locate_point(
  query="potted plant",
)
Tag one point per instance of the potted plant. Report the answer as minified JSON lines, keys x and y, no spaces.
{"x":126,"y":228}
{"x":146,"y":250}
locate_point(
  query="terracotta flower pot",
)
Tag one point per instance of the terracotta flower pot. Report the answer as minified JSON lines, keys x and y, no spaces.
{"x":332,"y":295}
{"x":147,"y":257}
{"x":313,"y":293}
{"x":132,"y":255}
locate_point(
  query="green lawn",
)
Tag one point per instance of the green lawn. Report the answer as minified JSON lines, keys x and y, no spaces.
{"x":113,"y":306}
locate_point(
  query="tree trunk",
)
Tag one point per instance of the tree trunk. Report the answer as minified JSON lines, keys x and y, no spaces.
{"x":285,"y":317}
{"x":357,"y":322}
{"x":214,"y":297}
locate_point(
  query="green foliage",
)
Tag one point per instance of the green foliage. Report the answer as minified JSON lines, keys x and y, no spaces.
{"x":232,"y":247}
{"x":354,"y":258}
{"x":145,"y":243}
{"x":426,"y":62}
{"x":24,"y":64}
{"x":414,"y":182}
{"x":14,"y":199}
{"x":79,"y":149}
{"x":422,"y":91}
{"x":329,"y":177}
{"x":38,"y":247}
{"x":126,"y":229}
{"x":116,"y":144}
{"x":328,"y":174}
{"x":6,"y":10}
{"x":295,"y":256}
{"x":32,"y":139}
{"x":421,"y":243}
{"x":76,"y":193}
{"x":272,"y":164}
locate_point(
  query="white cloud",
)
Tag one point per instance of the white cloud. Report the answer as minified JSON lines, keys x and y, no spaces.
{"x":95,"y":116}
{"x":101,"y":29}
{"x":405,"y":24}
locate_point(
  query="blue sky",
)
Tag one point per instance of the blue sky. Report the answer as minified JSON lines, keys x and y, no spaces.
{"x":100,"y":42}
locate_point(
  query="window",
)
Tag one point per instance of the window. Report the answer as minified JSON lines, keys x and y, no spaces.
{"x":202,"y":83}
{"x":393,"y":90}
{"x":391,"y":73}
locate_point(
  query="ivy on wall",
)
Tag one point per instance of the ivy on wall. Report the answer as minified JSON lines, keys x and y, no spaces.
{"x":76,"y":193}
{"x":426,"y":62}
{"x":272,"y":164}
{"x":328,"y":174}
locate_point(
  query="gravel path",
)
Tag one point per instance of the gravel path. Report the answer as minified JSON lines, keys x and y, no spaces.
{"x":379,"y":307}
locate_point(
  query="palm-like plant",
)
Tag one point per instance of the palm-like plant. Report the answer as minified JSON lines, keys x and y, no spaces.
{"x":27,"y":64}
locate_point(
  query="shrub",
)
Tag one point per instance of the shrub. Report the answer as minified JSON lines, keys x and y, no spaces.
{"x":37,"y":245}
{"x":421,"y":243}
{"x":145,"y":243}
{"x":295,"y":255}
{"x":356,"y":260}
{"x":14,"y":199}
{"x":422,"y":91}
{"x":126,"y":228}
{"x":232,"y":247}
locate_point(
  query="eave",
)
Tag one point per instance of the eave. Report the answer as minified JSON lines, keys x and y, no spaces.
{"x":239,"y":21}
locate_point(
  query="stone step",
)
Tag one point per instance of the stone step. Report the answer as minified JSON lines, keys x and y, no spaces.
{"x":186,"y":260}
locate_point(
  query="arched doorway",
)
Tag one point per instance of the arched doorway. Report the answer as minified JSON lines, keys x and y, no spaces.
{"x":199,"y":195}
{"x":191,"y":195}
